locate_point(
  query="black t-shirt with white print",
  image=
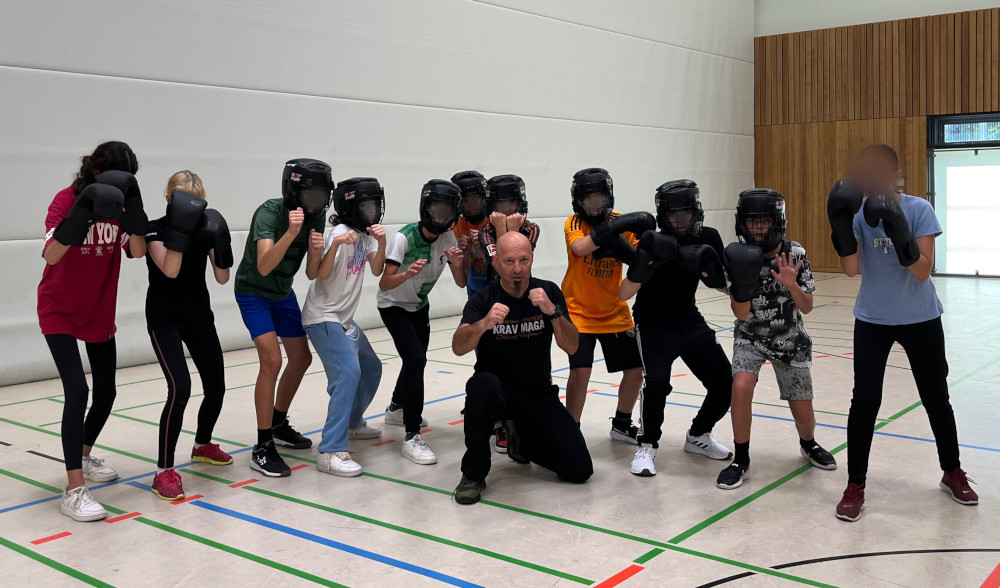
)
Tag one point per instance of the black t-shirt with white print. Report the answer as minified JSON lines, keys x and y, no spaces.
{"x":183,"y":301}
{"x":774,"y":325}
{"x":518,"y":350}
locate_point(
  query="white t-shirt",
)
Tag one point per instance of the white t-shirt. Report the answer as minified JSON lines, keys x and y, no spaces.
{"x":336,"y":298}
{"x":409,"y":245}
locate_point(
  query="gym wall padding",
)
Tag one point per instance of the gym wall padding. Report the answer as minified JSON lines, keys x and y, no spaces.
{"x":404,"y":91}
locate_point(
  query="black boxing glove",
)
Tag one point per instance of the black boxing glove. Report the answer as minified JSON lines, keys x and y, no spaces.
{"x":620,"y":250}
{"x":133,"y":219}
{"x":95,"y":202}
{"x":654,"y":250}
{"x":843,"y":202}
{"x":702,"y":259}
{"x":215,"y":233}
{"x":881,"y":207}
{"x":744,"y":263}
{"x":184,"y":213}
{"x":636,"y":223}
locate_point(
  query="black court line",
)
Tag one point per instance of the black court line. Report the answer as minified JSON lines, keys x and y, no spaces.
{"x":45,"y":456}
{"x":4,"y":443}
{"x":806,"y":562}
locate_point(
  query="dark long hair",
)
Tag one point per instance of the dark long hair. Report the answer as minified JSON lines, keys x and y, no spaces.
{"x":111,"y":155}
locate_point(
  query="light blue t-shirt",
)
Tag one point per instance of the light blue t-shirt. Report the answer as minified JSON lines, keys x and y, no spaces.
{"x":890,"y":294}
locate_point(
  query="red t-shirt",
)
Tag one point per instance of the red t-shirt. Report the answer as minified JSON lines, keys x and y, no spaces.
{"x":77,"y":296}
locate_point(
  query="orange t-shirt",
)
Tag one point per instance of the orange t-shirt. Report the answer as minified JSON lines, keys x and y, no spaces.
{"x":591,"y":285}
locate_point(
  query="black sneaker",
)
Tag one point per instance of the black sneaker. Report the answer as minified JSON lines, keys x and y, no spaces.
{"x":469,"y":491}
{"x":284,"y":434}
{"x":624,"y":430}
{"x":265,"y":459}
{"x":514,"y":443}
{"x":733,"y":476}
{"x":819,"y":457}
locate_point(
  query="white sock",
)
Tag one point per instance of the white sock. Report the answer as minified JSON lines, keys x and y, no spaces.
{"x":161,"y":470}
{"x":199,"y":445}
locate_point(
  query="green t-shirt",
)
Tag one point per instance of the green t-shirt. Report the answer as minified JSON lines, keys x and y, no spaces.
{"x":270,"y":221}
{"x":406,"y":247}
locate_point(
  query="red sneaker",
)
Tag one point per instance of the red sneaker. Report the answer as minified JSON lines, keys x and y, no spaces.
{"x":210,"y":453}
{"x":956,"y":483}
{"x":168,"y":485}
{"x":852,"y":503}
{"x":500,"y":444}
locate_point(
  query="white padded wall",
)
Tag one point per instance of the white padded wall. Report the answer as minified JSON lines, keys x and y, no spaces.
{"x":404,"y":91}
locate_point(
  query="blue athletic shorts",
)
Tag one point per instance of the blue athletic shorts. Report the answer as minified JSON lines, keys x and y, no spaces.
{"x":263,"y":315}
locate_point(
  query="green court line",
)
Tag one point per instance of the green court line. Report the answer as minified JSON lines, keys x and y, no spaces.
{"x":612,"y":532}
{"x":35,"y":483}
{"x":207,"y":476}
{"x":422,"y":535}
{"x":144,"y":421}
{"x":146,"y":521}
{"x":31,"y":400}
{"x":648,"y":555}
{"x":60,"y":567}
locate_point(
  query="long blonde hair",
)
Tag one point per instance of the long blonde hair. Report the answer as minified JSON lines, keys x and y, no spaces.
{"x":187,"y":181}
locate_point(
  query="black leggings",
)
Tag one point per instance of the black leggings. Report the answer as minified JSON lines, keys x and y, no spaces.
{"x":76,"y":430}
{"x":698,"y":346}
{"x":924,"y":346}
{"x":547,"y":433}
{"x":206,"y":352}
{"x":411,"y":332}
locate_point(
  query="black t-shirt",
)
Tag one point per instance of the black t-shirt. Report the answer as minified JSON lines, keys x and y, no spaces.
{"x":182,"y":301}
{"x":518,"y":350}
{"x":667,"y":299}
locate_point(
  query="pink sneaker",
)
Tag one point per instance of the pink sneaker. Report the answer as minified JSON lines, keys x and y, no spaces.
{"x":210,"y":453}
{"x":168,"y":485}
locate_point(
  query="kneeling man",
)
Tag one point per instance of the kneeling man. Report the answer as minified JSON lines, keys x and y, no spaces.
{"x":510,"y":324}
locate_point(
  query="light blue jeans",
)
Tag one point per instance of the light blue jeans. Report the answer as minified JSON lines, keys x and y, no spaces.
{"x":353,"y":372}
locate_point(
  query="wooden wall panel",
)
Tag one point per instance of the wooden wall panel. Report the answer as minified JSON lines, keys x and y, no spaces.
{"x":821,"y":96}
{"x":802,"y":161}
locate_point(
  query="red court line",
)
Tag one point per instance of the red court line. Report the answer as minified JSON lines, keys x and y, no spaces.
{"x":187,"y":499}
{"x":677,"y":375}
{"x":244,"y":483}
{"x":381,"y":443}
{"x":821,"y":356}
{"x":300,"y":466}
{"x":426,"y":431}
{"x":994,"y":580}
{"x":459,"y":421}
{"x":849,"y":353}
{"x":614,"y":385}
{"x":594,"y":390}
{"x":620,"y":576}
{"x":123,"y":517}
{"x":51,"y":538}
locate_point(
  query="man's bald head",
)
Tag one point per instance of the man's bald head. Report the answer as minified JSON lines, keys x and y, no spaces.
{"x":513,"y":262}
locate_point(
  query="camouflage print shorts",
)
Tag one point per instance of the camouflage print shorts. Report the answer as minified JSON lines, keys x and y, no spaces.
{"x":794,"y":381}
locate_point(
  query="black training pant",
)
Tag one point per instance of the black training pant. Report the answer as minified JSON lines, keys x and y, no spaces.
{"x":206,"y":353}
{"x":547,"y":433}
{"x":698,"y":346}
{"x":411,"y":333}
{"x":924,"y":346}
{"x":76,"y":430}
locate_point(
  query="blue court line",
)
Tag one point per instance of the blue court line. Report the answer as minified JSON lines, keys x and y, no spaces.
{"x":444,"y":372}
{"x":336,"y":545}
{"x":829,"y":426}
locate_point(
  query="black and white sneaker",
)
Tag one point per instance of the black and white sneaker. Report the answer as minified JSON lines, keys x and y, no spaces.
{"x":265,"y":459}
{"x":624,"y":430}
{"x":284,"y":434}
{"x":819,"y":457}
{"x":733,"y":476}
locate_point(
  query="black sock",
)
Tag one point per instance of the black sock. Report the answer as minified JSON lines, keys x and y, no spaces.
{"x":278,"y":417}
{"x":263,"y":436}
{"x":742,"y":454}
{"x":807,"y":444}
{"x":696,"y":432}
{"x":623,"y":416}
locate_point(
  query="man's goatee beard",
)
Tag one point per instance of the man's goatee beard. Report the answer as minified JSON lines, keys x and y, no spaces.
{"x":518,"y":287}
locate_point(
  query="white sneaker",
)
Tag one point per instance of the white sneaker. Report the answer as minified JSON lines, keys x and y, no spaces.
{"x":395,"y":417}
{"x":417,"y":451}
{"x":642,"y":462}
{"x":364,"y":432}
{"x":95,"y":470}
{"x":338,"y":464}
{"x":707,"y":446}
{"x":79,"y":505}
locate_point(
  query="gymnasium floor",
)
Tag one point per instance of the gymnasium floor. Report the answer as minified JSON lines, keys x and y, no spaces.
{"x":398,"y":526}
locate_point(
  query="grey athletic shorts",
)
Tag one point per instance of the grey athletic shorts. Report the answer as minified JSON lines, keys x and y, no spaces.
{"x":794,"y":382}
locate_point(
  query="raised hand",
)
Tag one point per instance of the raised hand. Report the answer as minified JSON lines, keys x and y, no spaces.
{"x":377,"y":231}
{"x":539,"y":298}
{"x":788,"y":270}
{"x":415,"y":268}
{"x":295,"y":219}
{"x":495,"y":316}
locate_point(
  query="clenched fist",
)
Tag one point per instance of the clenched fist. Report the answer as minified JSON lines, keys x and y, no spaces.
{"x":496,"y":315}
{"x":539,"y":298}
